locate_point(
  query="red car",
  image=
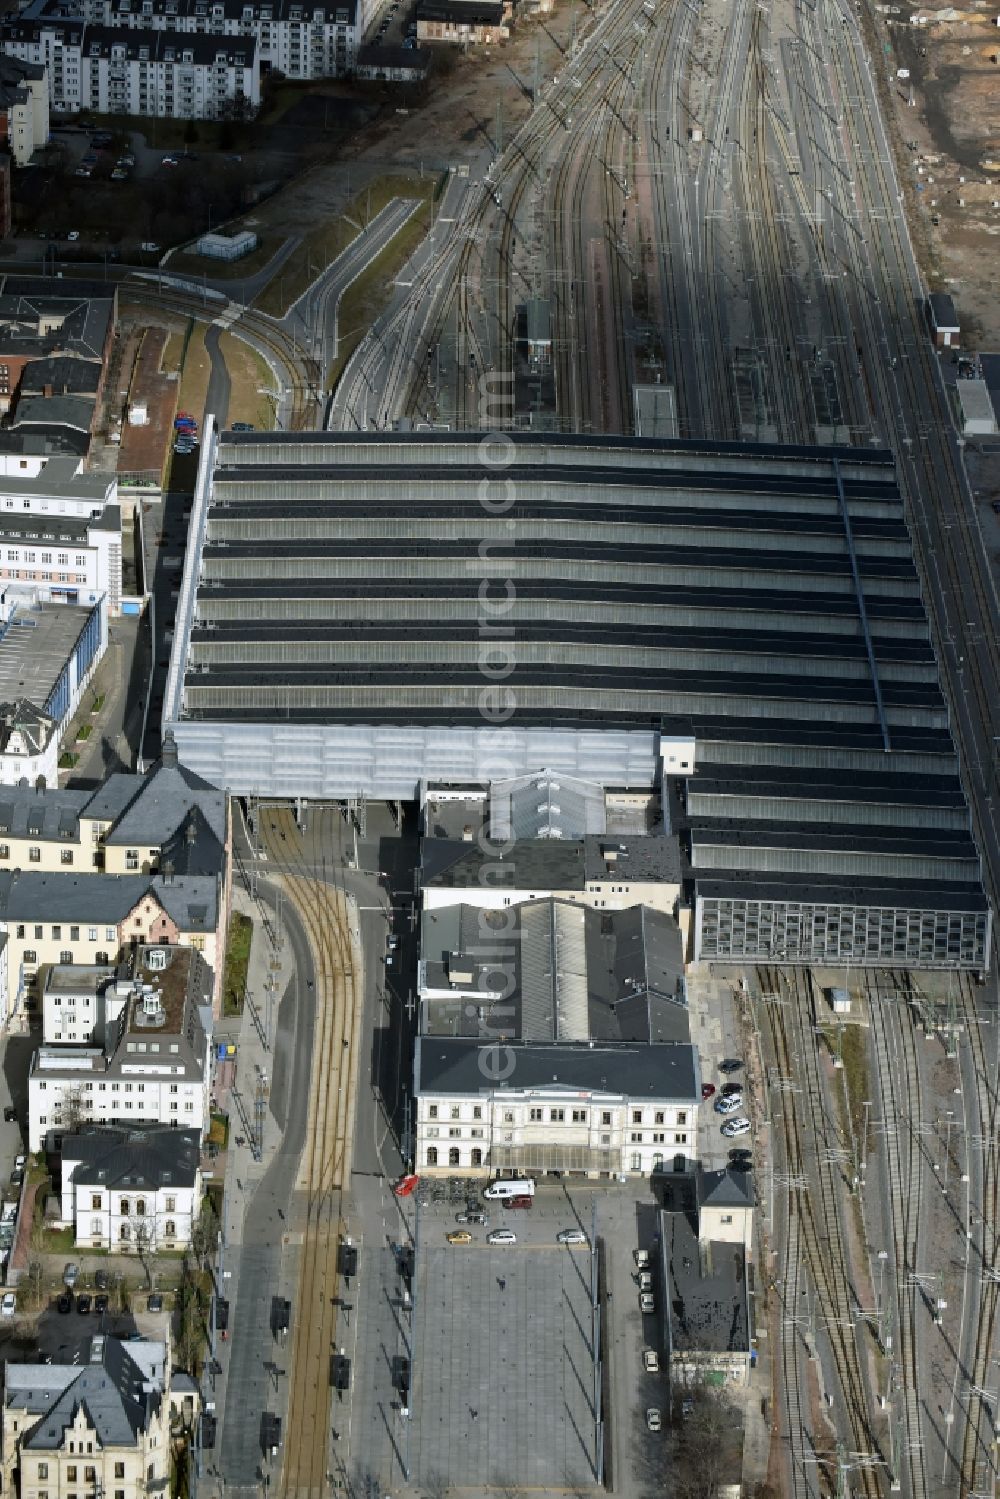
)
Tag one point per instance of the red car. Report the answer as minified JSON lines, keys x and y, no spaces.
{"x":406,"y":1184}
{"x":518,"y":1202}
{"x":707,"y":1090}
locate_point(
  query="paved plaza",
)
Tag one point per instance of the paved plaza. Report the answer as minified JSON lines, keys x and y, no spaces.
{"x":503,"y":1388}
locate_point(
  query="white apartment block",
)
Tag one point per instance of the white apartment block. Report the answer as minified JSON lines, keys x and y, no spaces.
{"x":24,"y":100}
{"x":55,"y":44}
{"x":177,"y":75}
{"x":101,"y":1426}
{"x":126,"y":1190}
{"x":302,"y":40}
{"x":61,"y":532}
{"x":147,"y":1057}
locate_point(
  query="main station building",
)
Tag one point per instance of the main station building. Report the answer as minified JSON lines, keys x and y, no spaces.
{"x":738,"y":628}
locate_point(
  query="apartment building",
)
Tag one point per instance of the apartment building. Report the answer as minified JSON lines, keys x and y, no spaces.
{"x":553,"y":1038}
{"x":24,"y":108}
{"x":148,"y":1057}
{"x":129,"y":1189}
{"x":294,"y":37}
{"x":99,"y":1426}
{"x":132,"y":824}
{"x":173,"y":74}
{"x":51,"y":41}
{"x":95,"y":919}
{"x":61,"y":528}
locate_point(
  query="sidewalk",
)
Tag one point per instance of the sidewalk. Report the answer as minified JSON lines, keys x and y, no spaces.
{"x":237,"y":1092}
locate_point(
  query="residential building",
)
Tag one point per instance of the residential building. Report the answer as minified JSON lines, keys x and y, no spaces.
{"x":132,"y":824}
{"x":302,"y":41}
{"x":467,"y":23}
{"x":94,"y":919}
{"x":943,"y":320}
{"x":60,"y":528}
{"x":149,"y":1061}
{"x":124,"y":1190}
{"x":190,"y":75}
{"x":553,"y":1038}
{"x":704,"y":1269}
{"x":53,"y":41}
{"x":29,"y":745}
{"x":99,"y":1426}
{"x":24,"y":108}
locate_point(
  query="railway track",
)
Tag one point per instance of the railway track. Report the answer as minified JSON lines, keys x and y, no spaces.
{"x":813,"y":1208}
{"x":977,"y":1461}
{"x":897,"y":1065}
{"x":325,"y":1165}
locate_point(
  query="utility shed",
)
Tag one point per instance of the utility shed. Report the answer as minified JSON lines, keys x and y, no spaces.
{"x":943,"y":319}
{"x":226,"y":246}
{"x":975,"y":408}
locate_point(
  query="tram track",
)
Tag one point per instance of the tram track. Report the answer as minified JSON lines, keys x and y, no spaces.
{"x":325,"y":1164}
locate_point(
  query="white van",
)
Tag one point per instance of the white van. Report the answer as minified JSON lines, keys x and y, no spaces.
{"x":497,"y":1191}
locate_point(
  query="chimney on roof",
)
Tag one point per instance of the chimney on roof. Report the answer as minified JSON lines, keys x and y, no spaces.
{"x":168,"y":753}
{"x":168,"y":872}
{"x":191,"y":831}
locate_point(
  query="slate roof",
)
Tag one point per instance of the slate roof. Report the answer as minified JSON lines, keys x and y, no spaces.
{"x":148,"y":1158}
{"x":27,"y":813}
{"x":120,"y":1389}
{"x":668,"y":1072}
{"x":84,"y":321}
{"x":725,"y":1189}
{"x":163,"y":805}
{"x":190,"y":900}
{"x":54,"y":411}
{"x":65,"y":374}
{"x":34,"y":723}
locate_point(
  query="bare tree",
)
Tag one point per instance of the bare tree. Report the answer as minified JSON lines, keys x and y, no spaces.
{"x":144,"y":1239}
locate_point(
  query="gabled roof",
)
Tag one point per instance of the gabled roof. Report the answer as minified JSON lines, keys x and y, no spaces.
{"x":162,"y":807}
{"x":189,"y":900}
{"x":119,"y":1390}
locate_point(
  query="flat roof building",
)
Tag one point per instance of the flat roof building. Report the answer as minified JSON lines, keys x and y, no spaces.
{"x":738,"y":626}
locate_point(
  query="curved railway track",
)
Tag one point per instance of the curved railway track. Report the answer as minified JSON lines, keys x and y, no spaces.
{"x":325,"y":1165}
{"x":813,"y":1206}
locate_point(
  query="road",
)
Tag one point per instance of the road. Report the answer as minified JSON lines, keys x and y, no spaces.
{"x":313,"y":318}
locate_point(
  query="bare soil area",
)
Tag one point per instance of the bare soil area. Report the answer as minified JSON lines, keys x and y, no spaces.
{"x":948,"y":123}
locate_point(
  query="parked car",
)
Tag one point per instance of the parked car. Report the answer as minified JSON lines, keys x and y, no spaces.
{"x":728,"y":1104}
{"x":645,"y":1280}
{"x":571,"y":1236}
{"x":734,"y":1127}
{"x":154,"y":1303}
{"x":150,"y":247}
{"x":501,"y":1236}
{"x":459,"y":1236}
{"x":731,"y":1064}
{"x":8,"y":1306}
{"x":20,"y":1162}
{"x":518,"y":1202}
{"x":406,"y":1184}
{"x":83,"y":1304}
{"x":16,"y":1177}
{"x":641,"y":1257}
{"x":169,"y":161}
{"x":729,"y":1089}
{"x":101,"y":1304}
{"x":651,"y":1361}
{"x":244,"y":427}
{"x":707,"y":1090}
{"x":10,"y":1114}
{"x":475,"y":1215}
{"x":654,"y":1420}
{"x":65,"y":1303}
{"x":71,"y":1275}
{"x":647,"y":1303}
